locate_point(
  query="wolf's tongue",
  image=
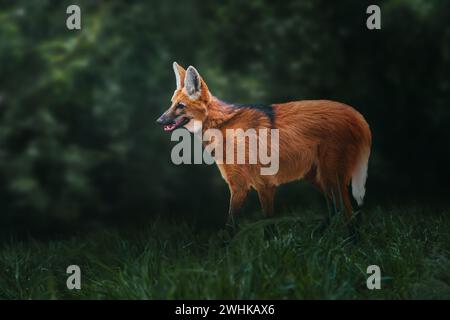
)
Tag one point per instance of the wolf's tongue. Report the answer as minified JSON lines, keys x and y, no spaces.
{"x":169,"y":127}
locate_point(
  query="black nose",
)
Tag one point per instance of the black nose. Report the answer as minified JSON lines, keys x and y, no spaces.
{"x":160,"y":120}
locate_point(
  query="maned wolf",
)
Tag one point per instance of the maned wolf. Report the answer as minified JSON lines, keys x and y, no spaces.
{"x":324,"y":142}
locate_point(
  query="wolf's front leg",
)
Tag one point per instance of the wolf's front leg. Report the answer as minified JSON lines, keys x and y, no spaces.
{"x":237,"y":198}
{"x":266,"y":195}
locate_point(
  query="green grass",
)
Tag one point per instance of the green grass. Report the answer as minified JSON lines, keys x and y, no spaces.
{"x":167,"y":260}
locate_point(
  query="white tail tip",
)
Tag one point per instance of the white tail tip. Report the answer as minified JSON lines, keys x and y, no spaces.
{"x":359,"y":180}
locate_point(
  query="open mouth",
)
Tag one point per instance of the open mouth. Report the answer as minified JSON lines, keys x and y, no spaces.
{"x":176,"y":124}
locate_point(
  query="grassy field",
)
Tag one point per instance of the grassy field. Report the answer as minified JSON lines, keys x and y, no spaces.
{"x":170,"y":260}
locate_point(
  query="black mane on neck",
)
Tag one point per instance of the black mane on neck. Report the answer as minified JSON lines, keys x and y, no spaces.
{"x":267,"y":109}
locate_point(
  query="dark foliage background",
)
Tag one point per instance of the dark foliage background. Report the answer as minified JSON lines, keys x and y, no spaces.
{"x":78,"y":141}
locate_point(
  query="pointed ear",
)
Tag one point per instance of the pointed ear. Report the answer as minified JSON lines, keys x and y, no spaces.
{"x":193,"y":83}
{"x":180,"y":74}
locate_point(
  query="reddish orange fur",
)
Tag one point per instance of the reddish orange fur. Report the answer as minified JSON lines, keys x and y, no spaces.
{"x":322,"y":141}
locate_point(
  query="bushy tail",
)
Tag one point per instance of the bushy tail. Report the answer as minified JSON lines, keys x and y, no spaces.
{"x":359,"y":178}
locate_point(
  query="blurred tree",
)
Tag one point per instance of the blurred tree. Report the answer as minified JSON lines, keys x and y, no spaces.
{"x":77,"y":108}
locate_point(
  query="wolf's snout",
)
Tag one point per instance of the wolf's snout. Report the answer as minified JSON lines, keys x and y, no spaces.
{"x":163,"y":120}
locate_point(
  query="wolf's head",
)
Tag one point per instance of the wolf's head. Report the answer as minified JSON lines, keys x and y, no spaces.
{"x":189,"y":101}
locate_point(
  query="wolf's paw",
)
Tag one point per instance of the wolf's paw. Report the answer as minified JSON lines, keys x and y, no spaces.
{"x":226,"y":234}
{"x":321,"y":228}
{"x":270,"y":232}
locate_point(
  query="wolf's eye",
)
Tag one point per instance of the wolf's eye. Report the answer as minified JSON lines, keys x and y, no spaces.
{"x":180,"y":106}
